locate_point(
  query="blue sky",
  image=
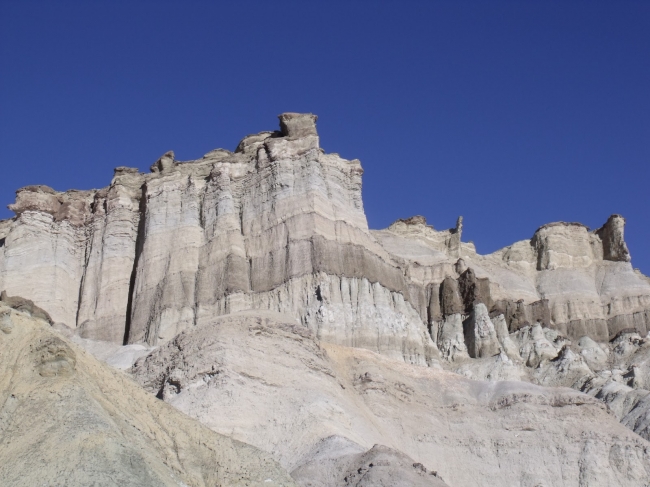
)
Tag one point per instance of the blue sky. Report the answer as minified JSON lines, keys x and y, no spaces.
{"x":510,"y":113}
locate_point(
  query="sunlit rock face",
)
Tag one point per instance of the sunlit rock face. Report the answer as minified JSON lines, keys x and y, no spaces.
{"x":268,"y":381}
{"x":246,"y":290}
{"x":279,"y":225}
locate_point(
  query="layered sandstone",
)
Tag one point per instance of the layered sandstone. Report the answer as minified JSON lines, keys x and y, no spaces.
{"x":248,"y":282}
{"x":279,"y":225}
{"x":568,"y":278}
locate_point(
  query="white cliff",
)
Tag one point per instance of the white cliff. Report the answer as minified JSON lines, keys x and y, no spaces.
{"x":257,"y":267}
{"x":279,"y":225}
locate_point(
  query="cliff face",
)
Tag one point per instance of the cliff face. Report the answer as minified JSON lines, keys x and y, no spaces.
{"x":249,"y":285}
{"x":568,"y":278}
{"x":279,"y":225}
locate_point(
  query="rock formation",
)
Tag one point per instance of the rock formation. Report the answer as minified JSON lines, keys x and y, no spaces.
{"x":321,"y":408}
{"x":249,"y":282}
{"x":279,"y":225}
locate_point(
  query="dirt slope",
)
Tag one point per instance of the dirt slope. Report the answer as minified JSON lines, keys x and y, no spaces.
{"x":68,"y":420}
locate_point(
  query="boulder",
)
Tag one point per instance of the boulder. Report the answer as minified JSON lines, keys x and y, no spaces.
{"x":534,"y":347}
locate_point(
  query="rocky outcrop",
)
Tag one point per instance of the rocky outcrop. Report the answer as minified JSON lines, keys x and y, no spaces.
{"x":42,"y":258}
{"x":613,"y":242}
{"x":535,"y":348}
{"x":615,"y":373}
{"x":339,"y":461}
{"x":562,"y":245}
{"x":480,"y":335}
{"x":415,"y":227}
{"x":450,"y":298}
{"x":508,"y":346}
{"x":279,"y":225}
{"x":254,"y":297}
{"x":451,"y":339}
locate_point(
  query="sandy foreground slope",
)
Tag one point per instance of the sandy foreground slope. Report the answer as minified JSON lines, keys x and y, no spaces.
{"x":68,"y":420}
{"x":318,"y":408}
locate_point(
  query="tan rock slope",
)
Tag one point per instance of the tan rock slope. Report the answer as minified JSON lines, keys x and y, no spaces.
{"x":68,"y":420}
{"x":320,"y":409}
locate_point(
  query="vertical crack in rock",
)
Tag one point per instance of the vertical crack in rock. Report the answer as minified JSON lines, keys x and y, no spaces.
{"x":139,"y":244}
{"x":84,"y":269}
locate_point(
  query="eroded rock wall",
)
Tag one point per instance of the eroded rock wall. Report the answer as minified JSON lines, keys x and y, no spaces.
{"x":279,"y":225}
{"x":261,"y":377}
{"x":43,"y":254}
{"x":568,"y":278}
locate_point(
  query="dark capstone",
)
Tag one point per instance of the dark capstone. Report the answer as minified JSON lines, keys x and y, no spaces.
{"x":434,"y":312}
{"x":38,"y":188}
{"x":298,"y":124}
{"x":165,"y":162}
{"x":414,"y":220}
{"x":640,"y":322}
{"x":539,"y":311}
{"x":516,"y":313}
{"x":595,"y":329}
{"x":614,"y":246}
{"x":474,"y":290}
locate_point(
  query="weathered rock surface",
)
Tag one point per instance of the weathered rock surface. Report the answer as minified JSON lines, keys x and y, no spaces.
{"x":276,"y":230}
{"x":275,"y":225}
{"x":279,"y":225}
{"x":616,"y":373}
{"x":612,"y":236}
{"x":320,"y":409}
{"x":578,"y":282}
{"x":68,"y":420}
{"x":339,"y":461}
{"x":480,"y":335}
{"x":451,"y":340}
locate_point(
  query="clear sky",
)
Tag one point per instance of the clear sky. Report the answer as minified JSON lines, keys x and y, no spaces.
{"x":510,"y":113}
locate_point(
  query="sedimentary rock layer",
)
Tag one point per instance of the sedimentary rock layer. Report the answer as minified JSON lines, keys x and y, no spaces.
{"x":278,"y":224}
{"x":565,"y":277}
